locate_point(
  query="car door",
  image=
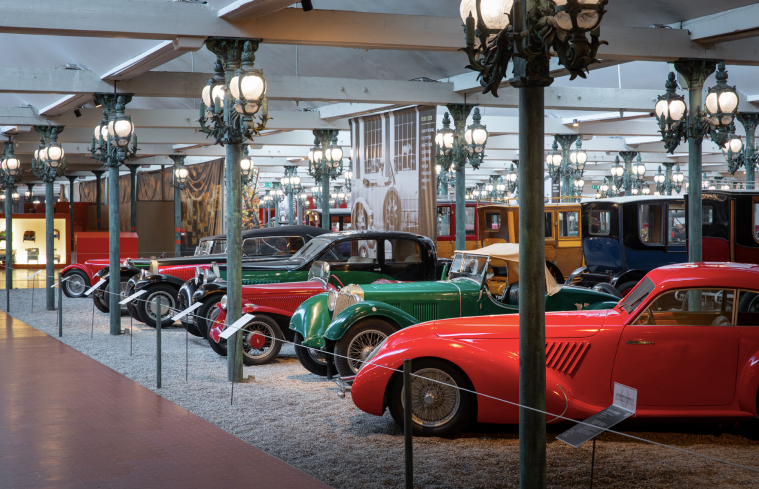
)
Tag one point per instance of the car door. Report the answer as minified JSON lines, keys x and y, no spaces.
{"x":682,"y":350}
{"x":354,"y":261}
{"x":402,"y":259}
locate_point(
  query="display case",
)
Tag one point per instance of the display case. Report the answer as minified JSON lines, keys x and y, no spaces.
{"x":29,"y":241}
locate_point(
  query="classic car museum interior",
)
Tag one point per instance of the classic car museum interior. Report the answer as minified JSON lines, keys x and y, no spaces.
{"x":379,"y":243}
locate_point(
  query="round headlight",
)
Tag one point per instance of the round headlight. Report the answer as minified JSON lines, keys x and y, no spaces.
{"x":223,"y":302}
{"x":332,"y":300}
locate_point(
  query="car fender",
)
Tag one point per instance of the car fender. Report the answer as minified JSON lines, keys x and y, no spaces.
{"x":265,"y":310}
{"x":78,"y":266}
{"x":311,"y":319}
{"x":363,"y":310}
{"x":478,"y":364}
{"x":748,"y":385}
{"x":628,"y":276}
{"x":208,"y":289}
{"x":158,"y":278}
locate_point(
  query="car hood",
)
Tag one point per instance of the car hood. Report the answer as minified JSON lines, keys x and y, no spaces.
{"x":191,"y":260}
{"x":574,"y":324}
{"x":312,"y":286}
{"x":408,"y":290}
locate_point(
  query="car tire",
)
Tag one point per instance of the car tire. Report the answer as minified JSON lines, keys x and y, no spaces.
{"x":101,"y":298}
{"x":626,"y":287}
{"x":313,"y":360}
{"x":269,"y":341}
{"x":146,"y":308}
{"x":555,"y":272}
{"x":358,"y":342}
{"x":607,"y":289}
{"x":207,"y":314}
{"x":220,"y":348}
{"x":450,"y":410}
{"x":77,"y":284}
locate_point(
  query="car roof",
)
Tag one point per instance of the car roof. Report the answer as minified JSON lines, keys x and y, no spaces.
{"x":634,"y":198}
{"x":706,"y":275}
{"x":373,"y":235}
{"x":276,"y":231}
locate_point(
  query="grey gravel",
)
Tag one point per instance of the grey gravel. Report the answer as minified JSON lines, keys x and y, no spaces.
{"x":297,"y":417}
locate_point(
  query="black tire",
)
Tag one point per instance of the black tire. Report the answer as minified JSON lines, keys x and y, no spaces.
{"x":607,"y":289}
{"x":252,"y":353}
{"x":513,"y":294}
{"x":313,"y":360}
{"x":188,"y":322}
{"x":102,"y":299}
{"x":77,"y":284}
{"x":147,"y":306}
{"x":555,"y":272}
{"x":358,"y":342}
{"x":626,"y":287}
{"x":207,"y":314}
{"x":450,"y":410}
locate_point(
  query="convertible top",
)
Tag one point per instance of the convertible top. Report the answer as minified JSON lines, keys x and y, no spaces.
{"x":510,"y":252}
{"x":311,"y":231}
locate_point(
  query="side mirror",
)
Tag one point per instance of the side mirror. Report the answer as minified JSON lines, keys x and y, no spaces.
{"x":320,"y":270}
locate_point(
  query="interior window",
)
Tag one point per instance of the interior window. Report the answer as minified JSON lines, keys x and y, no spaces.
{"x":650,"y":223}
{"x":443,"y":221}
{"x":549,"y":224}
{"x":355,"y":251}
{"x":756,"y":221}
{"x":676,"y":233}
{"x":470,"y":221}
{"x":690,"y":307}
{"x":273,"y":246}
{"x":205,"y":247}
{"x":569,"y":224}
{"x":493,"y":221}
{"x":600,"y":223}
{"x":748,"y":308}
{"x":707,"y":215}
{"x":402,"y":251}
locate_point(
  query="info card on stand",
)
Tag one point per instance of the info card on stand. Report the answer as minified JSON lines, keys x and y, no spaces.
{"x":625,"y":401}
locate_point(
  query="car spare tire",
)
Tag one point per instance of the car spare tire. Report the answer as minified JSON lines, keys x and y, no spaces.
{"x":607,"y":289}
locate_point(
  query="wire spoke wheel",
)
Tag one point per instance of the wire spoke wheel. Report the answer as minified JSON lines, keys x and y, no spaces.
{"x":435,"y":399}
{"x":362,"y":345}
{"x":318,"y":356}
{"x":257,"y":338}
{"x":76,"y":284}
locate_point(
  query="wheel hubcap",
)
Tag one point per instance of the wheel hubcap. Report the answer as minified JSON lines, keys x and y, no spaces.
{"x":317,"y":356}
{"x":435,"y":398}
{"x":361,"y":346}
{"x":257,"y":339}
{"x":76,"y":285}
{"x":167,"y":304}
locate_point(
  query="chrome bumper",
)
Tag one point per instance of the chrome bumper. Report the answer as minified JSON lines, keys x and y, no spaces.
{"x":344,"y":385}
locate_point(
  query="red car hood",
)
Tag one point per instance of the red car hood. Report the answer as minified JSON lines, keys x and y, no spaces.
{"x":576,"y":324}
{"x":311,"y":286}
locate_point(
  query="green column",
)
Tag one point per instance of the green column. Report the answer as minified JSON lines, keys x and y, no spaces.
{"x":695,"y":72}
{"x":9,"y":237}
{"x":49,"y":245}
{"x":459,"y":114}
{"x":71,"y":209}
{"x":234,"y":258}
{"x":668,"y":178}
{"x":628,"y":157}
{"x":98,"y":196}
{"x":114,"y":248}
{"x":566,"y":141}
{"x":749,"y":120}
{"x":177,"y":222}
{"x":133,"y":196}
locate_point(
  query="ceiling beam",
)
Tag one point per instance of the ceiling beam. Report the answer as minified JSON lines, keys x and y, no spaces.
{"x":155,"y":57}
{"x":729,"y":25}
{"x":169,"y":20}
{"x":244,"y":9}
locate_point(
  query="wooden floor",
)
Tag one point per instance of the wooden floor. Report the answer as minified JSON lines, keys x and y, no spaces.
{"x":68,"y":421}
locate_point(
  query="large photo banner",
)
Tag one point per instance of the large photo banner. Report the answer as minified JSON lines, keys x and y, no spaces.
{"x":393,"y":186}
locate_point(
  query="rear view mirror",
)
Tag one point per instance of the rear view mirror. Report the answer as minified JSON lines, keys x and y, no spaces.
{"x":320,"y":270}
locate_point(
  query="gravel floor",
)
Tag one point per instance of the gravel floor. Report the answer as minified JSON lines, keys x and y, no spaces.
{"x":297,"y":417}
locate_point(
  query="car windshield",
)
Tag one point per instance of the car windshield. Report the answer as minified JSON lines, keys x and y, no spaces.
{"x":468,"y":266}
{"x":204,"y":247}
{"x":637,"y":296}
{"x":312,"y":248}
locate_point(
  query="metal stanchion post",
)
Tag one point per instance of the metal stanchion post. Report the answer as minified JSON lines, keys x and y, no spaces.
{"x":592,"y":462}
{"x":34,"y":282}
{"x":92,"y":334}
{"x":186,"y":353}
{"x":60,"y":304}
{"x":131,"y":325}
{"x":158,"y":341}
{"x":330,"y":358}
{"x":407,"y":428}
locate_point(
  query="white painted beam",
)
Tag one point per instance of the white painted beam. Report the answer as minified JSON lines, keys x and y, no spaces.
{"x":66,"y":104}
{"x":155,"y":57}
{"x":244,"y":9}
{"x":729,"y":25}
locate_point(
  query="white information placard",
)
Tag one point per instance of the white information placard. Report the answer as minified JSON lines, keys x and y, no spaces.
{"x":625,"y":402}
{"x":625,"y":397}
{"x":56,"y":284}
{"x":187,"y":311}
{"x":34,"y":274}
{"x":92,"y":289}
{"x":233,"y":328}
{"x":132,"y":297}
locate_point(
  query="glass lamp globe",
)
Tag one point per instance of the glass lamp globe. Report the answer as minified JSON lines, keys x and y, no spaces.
{"x":317,"y":155}
{"x":605,"y":187}
{"x":205,"y":94}
{"x":735,"y":144}
{"x":246,"y":166}
{"x":285,"y":181}
{"x":448,"y":140}
{"x":675,"y":109}
{"x":494,"y":12}
{"x":657,"y":193}
{"x":678,"y":177}
{"x":337,"y":154}
{"x":639,"y":169}
{"x":295,"y":180}
{"x":557,"y":159}
{"x":217,"y":95}
{"x":617,"y":171}
{"x":580,"y":183}
{"x":635,"y":191}
{"x":646,"y":191}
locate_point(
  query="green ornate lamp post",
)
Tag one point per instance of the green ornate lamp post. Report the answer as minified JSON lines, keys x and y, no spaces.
{"x":10,"y":173}
{"x":71,"y":179}
{"x":748,"y":157}
{"x":234,"y":108}
{"x":567,"y":165}
{"x":624,"y":177}
{"x":180,"y":178}
{"x":325,"y":162}
{"x":668,"y":181}
{"x":48,"y":163}
{"x":677,"y":123}
{"x":292,"y":188}
{"x":527,"y":32}
{"x":457,"y":147}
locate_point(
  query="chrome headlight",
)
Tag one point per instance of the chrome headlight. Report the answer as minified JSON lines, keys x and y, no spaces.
{"x":210,"y":276}
{"x":154,"y":266}
{"x":332,"y":300}
{"x":373,"y":353}
{"x":143,"y":274}
{"x":223,"y":302}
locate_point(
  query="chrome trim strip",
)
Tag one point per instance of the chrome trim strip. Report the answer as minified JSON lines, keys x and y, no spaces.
{"x":457,"y":288}
{"x":566,"y":406}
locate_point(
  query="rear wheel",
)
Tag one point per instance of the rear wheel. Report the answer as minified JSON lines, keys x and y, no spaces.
{"x":438,"y":407}
{"x":259,"y":345}
{"x":315,"y":361}
{"x":207,"y":315}
{"x":626,"y":287}
{"x":102,"y":297}
{"x":148,"y":308}
{"x":76,"y":284}
{"x":358,"y":342}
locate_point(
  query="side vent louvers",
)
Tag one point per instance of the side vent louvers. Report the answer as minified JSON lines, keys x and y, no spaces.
{"x":565,"y":356}
{"x":425,"y":312}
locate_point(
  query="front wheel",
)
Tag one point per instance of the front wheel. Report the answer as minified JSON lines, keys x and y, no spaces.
{"x":207,"y":315}
{"x":148,"y":308}
{"x":76,"y":285}
{"x":315,"y":361}
{"x":438,"y":407}
{"x":358,"y":342}
{"x":259,"y":345}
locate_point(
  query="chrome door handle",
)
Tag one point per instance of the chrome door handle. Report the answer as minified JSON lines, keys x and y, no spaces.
{"x":639,"y":342}
{"x":377,"y":269}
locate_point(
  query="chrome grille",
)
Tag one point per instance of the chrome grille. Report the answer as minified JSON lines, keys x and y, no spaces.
{"x":352,"y":294}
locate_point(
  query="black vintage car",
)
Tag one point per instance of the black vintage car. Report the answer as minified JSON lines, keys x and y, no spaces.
{"x":354,"y":257}
{"x":167,"y":275}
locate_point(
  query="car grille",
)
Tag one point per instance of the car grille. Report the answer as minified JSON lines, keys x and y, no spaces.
{"x":352,"y":294}
{"x":565,"y":356}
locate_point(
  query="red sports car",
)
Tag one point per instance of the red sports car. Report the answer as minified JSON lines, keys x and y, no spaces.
{"x":687,"y":338}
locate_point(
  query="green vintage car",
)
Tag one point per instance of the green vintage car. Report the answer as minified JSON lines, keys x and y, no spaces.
{"x":353,"y":321}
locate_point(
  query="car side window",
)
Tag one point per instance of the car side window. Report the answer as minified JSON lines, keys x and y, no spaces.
{"x":354,"y":251}
{"x":599,"y":223}
{"x":690,"y":307}
{"x":650,"y":224}
{"x":569,"y":224}
{"x":549,"y":224}
{"x":748,"y":308}
{"x":469,"y":212}
{"x":443,"y":221}
{"x":294,"y":244}
{"x":493,"y":221}
{"x":402,"y":251}
{"x":676,"y":230}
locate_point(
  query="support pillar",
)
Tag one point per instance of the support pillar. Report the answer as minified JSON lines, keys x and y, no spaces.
{"x":566,"y":141}
{"x":749,"y":120}
{"x":459,"y":114}
{"x":234,"y":257}
{"x":49,"y":245}
{"x":695,"y":72}
{"x":627,"y":157}
{"x":71,"y":209}
{"x":114,"y":249}
{"x":133,"y":196}
{"x":9,"y":237}
{"x":98,"y":196}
